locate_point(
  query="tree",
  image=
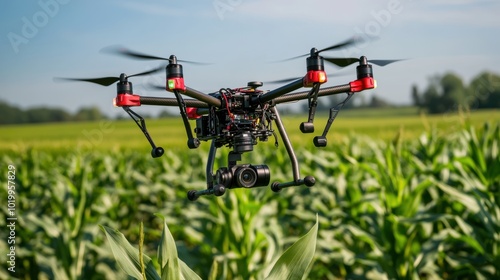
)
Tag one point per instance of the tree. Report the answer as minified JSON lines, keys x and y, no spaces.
{"x":165,"y":114}
{"x":443,"y":94}
{"x":11,"y":114}
{"x":43,"y":114}
{"x":432,"y":100}
{"x":89,"y":114}
{"x":415,"y":96}
{"x":453,"y":92}
{"x":485,"y":91}
{"x":15,"y":115}
{"x":377,"y":102}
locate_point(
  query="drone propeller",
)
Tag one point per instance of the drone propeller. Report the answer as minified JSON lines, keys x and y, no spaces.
{"x":282,"y":81}
{"x":346,"y":43}
{"x":107,"y":81}
{"x":343,"y":62}
{"x":119,"y":50}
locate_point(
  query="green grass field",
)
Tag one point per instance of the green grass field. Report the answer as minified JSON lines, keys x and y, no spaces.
{"x":169,"y":133}
{"x":424,"y":208}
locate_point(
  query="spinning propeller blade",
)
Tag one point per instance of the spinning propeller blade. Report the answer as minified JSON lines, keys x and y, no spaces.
{"x":346,"y":43}
{"x":282,"y":81}
{"x":343,"y":62}
{"x":119,"y":50}
{"x":107,"y":81}
{"x":349,"y":42}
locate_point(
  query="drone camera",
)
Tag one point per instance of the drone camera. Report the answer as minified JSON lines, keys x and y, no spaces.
{"x":244,"y":176}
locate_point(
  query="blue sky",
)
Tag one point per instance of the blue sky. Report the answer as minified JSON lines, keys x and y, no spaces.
{"x":63,"y":38}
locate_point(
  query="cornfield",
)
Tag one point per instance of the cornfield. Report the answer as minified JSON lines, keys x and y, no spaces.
{"x":427,"y":208}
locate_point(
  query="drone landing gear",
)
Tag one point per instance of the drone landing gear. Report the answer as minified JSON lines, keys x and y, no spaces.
{"x":156,"y":151}
{"x":219,"y":189}
{"x":321,"y":141}
{"x":231,"y":177}
{"x":192,"y":142}
{"x":309,"y":181}
{"x":247,"y":175}
{"x":308,"y":127}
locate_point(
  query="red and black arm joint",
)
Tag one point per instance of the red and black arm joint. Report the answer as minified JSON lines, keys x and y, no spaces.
{"x":175,"y":84}
{"x":363,"y":82}
{"x":126,"y":99}
{"x":314,"y":78}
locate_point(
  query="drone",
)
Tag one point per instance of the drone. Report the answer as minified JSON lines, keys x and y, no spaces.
{"x":238,"y":118}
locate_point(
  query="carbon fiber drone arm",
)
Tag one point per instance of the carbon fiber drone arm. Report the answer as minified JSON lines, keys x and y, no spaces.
{"x":162,"y":101}
{"x":322,"y":92}
{"x":276,"y":93}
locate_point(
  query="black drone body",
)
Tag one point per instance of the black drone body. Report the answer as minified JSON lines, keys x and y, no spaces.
{"x":239,"y":118}
{"x":239,"y":122}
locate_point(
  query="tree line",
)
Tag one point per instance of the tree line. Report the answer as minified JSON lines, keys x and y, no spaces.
{"x":444,"y":93}
{"x":14,"y":115}
{"x":448,"y":93}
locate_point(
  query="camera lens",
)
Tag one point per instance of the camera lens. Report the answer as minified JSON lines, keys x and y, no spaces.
{"x":263,"y":175}
{"x":246,"y":177}
{"x":224,"y":177}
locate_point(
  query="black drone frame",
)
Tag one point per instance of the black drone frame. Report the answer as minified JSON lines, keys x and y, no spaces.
{"x":203,"y":104}
{"x":237,"y":118}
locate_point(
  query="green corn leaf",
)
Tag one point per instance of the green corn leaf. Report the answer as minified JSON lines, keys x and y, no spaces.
{"x":467,"y":200}
{"x":295,"y":261}
{"x":187,"y":273}
{"x":127,"y":256}
{"x":171,"y":266}
{"x":167,"y":254}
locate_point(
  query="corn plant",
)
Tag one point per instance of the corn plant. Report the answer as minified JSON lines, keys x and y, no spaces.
{"x":426,"y":208}
{"x":57,"y":235}
{"x":293,"y":264}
